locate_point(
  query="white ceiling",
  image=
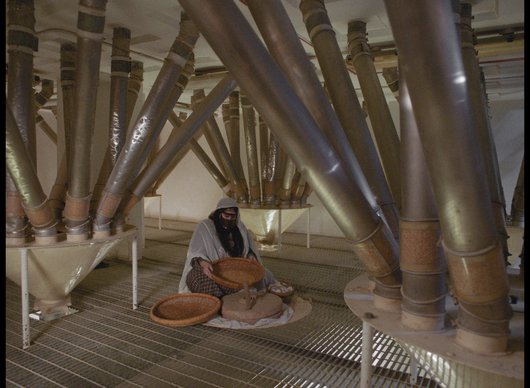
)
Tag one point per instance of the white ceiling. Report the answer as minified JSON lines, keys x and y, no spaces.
{"x":154,"y":25}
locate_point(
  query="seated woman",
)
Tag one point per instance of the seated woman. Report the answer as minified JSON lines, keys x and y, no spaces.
{"x":222,"y":235}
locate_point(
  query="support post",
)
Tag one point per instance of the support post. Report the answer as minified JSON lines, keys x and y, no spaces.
{"x":366,"y":356}
{"x":134,"y":249}
{"x":279,"y":228}
{"x":308,"y":225}
{"x":26,"y":337}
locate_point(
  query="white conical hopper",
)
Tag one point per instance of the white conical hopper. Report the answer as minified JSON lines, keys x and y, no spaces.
{"x":54,"y":270}
{"x":268,"y":224}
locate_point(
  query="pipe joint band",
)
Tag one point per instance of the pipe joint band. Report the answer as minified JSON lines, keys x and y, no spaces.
{"x":76,"y":209}
{"x":40,"y":216}
{"x":118,"y":65}
{"x":22,"y":38}
{"x":108,"y":204}
{"x":93,"y":24}
{"x":420,"y":251}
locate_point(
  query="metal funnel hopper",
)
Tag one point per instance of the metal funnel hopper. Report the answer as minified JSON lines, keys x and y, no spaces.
{"x":268,"y":223}
{"x":54,"y":270}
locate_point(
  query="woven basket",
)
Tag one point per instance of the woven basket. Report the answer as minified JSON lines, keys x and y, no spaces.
{"x":234,"y":272}
{"x":185,"y":309}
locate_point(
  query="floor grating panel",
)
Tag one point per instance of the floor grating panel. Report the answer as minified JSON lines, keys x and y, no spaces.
{"x":107,"y":344}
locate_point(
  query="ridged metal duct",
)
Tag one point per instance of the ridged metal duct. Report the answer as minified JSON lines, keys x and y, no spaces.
{"x":263,"y":131}
{"x":287,"y":184}
{"x":421,"y":258}
{"x":136,"y":77}
{"x":90,"y":25}
{"x":249,"y":127}
{"x":383,"y":127}
{"x":21,"y":43}
{"x":269,"y":173}
{"x":68,"y":61}
{"x":517,"y":208}
{"x":179,"y":137}
{"x":482,"y":122}
{"x":349,"y":111}
{"x":24,"y":175}
{"x":431,"y":62}
{"x":148,"y":125}
{"x":238,"y":47}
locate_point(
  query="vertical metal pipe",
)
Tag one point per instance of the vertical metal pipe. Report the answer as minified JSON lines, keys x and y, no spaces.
{"x":273,"y":160}
{"x":421,"y":258}
{"x":90,"y":25}
{"x":517,"y":208}
{"x":24,"y":175}
{"x":148,"y":124}
{"x":220,"y":148}
{"x":238,"y":47}
{"x":264,"y":150}
{"x":119,"y":78}
{"x":68,"y":61}
{"x":21,"y":43}
{"x":26,"y":333}
{"x":482,"y":122}
{"x":284,"y":45}
{"x":428,"y":45}
{"x":383,"y":127}
{"x":57,"y":194}
{"x":233,"y":137}
{"x":287,"y":184}
{"x":179,"y":138}
{"x":249,"y":126}
{"x":349,"y":111}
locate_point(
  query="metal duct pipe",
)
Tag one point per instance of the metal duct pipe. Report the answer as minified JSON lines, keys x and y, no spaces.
{"x":148,"y":125}
{"x":270,"y":172}
{"x":219,"y":148}
{"x":249,"y":126}
{"x":233,"y":137}
{"x":305,"y":194}
{"x":383,"y":127}
{"x":179,"y":138}
{"x":263,"y":148}
{"x":391,"y":76}
{"x":90,"y":25}
{"x":68,"y":60}
{"x":349,"y":111}
{"x":136,"y":77}
{"x":287,"y":184}
{"x":284,"y":45}
{"x":482,"y":122}
{"x":58,"y":191}
{"x":238,"y":47}
{"x":22,"y":170}
{"x":517,"y":208}
{"x":119,"y":78}
{"x":428,"y":45}
{"x":21,"y":43}
{"x":421,"y":257}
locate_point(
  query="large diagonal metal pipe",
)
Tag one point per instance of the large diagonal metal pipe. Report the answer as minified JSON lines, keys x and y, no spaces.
{"x":179,"y":137}
{"x":249,"y":127}
{"x":136,"y":77}
{"x":422,"y":261}
{"x":482,"y":122}
{"x":149,"y":123}
{"x":21,"y":43}
{"x":284,"y":45}
{"x":383,"y":127}
{"x":24,"y":175}
{"x":428,"y":45}
{"x":219,"y":147}
{"x":238,"y":47}
{"x":349,"y":111}
{"x":90,"y":25}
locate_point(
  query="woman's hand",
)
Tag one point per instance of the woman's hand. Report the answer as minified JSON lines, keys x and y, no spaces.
{"x":206,"y":268}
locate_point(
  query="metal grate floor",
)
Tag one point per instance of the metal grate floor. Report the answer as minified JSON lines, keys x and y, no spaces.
{"x":107,"y":344}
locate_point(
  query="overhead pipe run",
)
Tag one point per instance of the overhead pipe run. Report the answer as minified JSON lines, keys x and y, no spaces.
{"x":238,"y":47}
{"x":431,"y":62}
{"x":482,"y":123}
{"x":180,"y":137}
{"x":422,"y":261}
{"x":24,"y":175}
{"x":344,"y":98}
{"x":148,"y":125}
{"x":383,"y":128}
{"x":90,"y":25}
{"x":21,"y":43}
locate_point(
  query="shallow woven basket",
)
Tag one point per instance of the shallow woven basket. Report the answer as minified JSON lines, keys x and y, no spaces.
{"x":234,"y":272}
{"x":185,"y":309}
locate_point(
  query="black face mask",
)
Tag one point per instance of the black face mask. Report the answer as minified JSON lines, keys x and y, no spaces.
{"x":228,"y":224}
